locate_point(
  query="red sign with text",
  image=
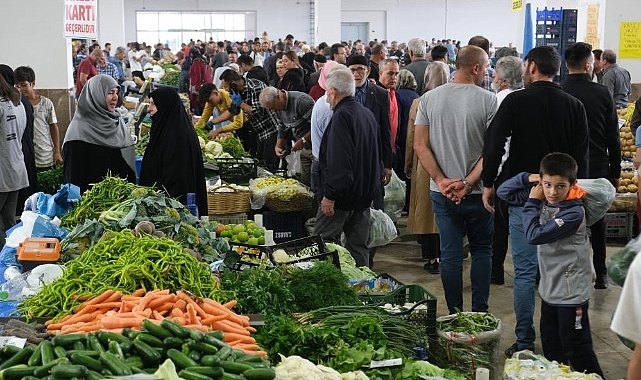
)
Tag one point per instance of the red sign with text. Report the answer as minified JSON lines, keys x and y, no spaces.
{"x":81,"y":19}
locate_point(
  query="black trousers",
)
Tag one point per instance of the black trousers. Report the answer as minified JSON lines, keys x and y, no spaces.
{"x":597,"y":237}
{"x":563,"y":342}
{"x":500,"y":238}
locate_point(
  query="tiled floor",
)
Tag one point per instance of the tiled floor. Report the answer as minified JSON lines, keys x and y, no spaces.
{"x":402,"y":260}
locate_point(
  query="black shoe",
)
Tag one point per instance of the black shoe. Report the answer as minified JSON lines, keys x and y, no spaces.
{"x":601,"y":281}
{"x":511,"y":350}
{"x":497,"y":280}
{"x":432,"y":268}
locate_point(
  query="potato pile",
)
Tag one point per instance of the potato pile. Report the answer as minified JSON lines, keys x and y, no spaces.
{"x":629,"y":181}
{"x":628,"y":149}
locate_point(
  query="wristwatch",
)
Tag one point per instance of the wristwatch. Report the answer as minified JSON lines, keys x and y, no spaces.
{"x":467,"y":186}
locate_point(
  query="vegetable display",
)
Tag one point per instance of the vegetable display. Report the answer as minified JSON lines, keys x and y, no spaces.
{"x":102,"y":196}
{"x":122,"y":262}
{"x":167,"y":347}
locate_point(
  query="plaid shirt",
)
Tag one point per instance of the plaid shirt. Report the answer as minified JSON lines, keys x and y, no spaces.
{"x":264,"y":121}
{"x":109,"y":69}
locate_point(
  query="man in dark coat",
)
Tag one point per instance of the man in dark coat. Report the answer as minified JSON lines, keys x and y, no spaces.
{"x":605,"y":148}
{"x":349,"y":168}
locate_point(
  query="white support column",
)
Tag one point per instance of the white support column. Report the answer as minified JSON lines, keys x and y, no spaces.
{"x":111,"y":23}
{"x":38,"y":24}
{"x":328,"y":21}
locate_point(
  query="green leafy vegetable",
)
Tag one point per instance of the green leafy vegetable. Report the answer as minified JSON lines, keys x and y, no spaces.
{"x":259,"y":290}
{"x":320,"y":286}
{"x":49,"y":181}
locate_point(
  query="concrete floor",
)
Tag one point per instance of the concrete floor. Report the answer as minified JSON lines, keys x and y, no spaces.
{"x":402,"y":260}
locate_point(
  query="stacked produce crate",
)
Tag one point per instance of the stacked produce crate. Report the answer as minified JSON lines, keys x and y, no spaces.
{"x":557,"y":28}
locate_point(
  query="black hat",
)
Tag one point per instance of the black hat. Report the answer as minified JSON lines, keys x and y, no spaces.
{"x":320,"y":58}
{"x":356,"y":59}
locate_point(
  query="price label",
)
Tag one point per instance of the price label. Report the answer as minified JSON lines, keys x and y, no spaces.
{"x":12,"y":341}
{"x":386,"y":363}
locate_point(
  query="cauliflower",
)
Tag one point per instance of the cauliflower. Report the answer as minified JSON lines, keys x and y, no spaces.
{"x":296,"y":368}
{"x":281,"y":256}
{"x":214,"y":147}
{"x":202,"y":142}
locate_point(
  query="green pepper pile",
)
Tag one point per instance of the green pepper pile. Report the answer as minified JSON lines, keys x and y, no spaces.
{"x":122,"y":262}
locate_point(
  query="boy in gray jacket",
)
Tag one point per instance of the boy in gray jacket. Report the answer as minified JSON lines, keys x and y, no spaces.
{"x":554,"y":220}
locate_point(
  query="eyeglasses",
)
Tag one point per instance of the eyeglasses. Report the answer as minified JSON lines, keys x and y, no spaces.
{"x":359,"y":70}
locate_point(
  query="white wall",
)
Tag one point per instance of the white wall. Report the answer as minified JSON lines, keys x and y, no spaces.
{"x":615,"y":12}
{"x":32,"y":35}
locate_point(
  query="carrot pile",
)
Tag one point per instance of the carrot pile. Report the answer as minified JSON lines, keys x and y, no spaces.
{"x":113,"y":311}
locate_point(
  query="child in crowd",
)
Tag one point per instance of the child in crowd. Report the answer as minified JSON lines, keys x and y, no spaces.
{"x":46,"y":136}
{"x":554,"y":220}
{"x":218,"y":100}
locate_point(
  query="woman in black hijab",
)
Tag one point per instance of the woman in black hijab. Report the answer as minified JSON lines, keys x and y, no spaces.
{"x":27,"y":144}
{"x":173,"y":160}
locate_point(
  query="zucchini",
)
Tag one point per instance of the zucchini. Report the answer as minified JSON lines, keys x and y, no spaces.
{"x":115,"y":365}
{"x":90,"y":353}
{"x":129,"y":333}
{"x":67,"y":340}
{"x":210,"y":361}
{"x":175,"y":329}
{"x":79,"y":346}
{"x":68,"y":371}
{"x":187,"y":375}
{"x":17,"y":373}
{"x":149,"y":339}
{"x":218,"y":343}
{"x":105,"y":337}
{"x":148,"y":355}
{"x":94,"y":344}
{"x":134,"y":361}
{"x":9,"y":350}
{"x":180,"y":360}
{"x":204,"y":348}
{"x":90,"y":363}
{"x":216,"y":334}
{"x":125,"y":347}
{"x":156,"y":330}
{"x":106,"y":372}
{"x":172,"y":342}
{"x":236,"y":353}
{"x":93,"y":375}
{"x":44,"y":369}
{"x":195,"y":356}
{"x":233,"y":367}
{"x":224,"y":352}
{"x":196,"y":335}
{"x":21,"y":357}
{"x":46,"y":352}
{"x":249,"y":359}
{"x":60,"y":352}
{"x":260,"y":374}
{"x":115,"y":349}
{"x":36,"y":358}
{"x":232,"y":376}
{"x":212,"y":372}
{"x":30,"y":378}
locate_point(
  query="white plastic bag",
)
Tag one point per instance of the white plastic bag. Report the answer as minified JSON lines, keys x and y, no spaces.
{"x":599,"y":197}
{"x":293,"y":163}
{"x":381,"y":229}
{"x":394,"y":200}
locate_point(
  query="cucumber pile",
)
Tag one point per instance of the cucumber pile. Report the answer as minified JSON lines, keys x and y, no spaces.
{"x":196,"y":355}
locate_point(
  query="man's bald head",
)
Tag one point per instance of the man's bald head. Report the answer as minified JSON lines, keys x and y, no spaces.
{"x":469,"y":56}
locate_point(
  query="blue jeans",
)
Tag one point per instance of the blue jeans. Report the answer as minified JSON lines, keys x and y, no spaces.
{"x":452,"y":220}
{"x":525,"y":258}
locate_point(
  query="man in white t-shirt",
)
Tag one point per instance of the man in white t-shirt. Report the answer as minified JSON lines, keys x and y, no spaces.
{"x":135,"y":56}
{"x":46,"y":136}
{"x":628,"y":314}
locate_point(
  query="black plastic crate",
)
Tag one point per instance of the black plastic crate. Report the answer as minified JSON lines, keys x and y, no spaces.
{"x":305,"y":249}
{"x":237,"y":170}
{"x":286,"y":226}
{"x":250,"y":255}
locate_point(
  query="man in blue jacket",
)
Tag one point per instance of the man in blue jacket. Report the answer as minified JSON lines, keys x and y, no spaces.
{"x":350,"y":168}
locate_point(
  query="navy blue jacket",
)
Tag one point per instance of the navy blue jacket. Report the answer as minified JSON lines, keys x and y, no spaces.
{"x":350,"y":166}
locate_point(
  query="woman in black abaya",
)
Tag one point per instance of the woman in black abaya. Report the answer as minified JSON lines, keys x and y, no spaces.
{"x":173,"y":160}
